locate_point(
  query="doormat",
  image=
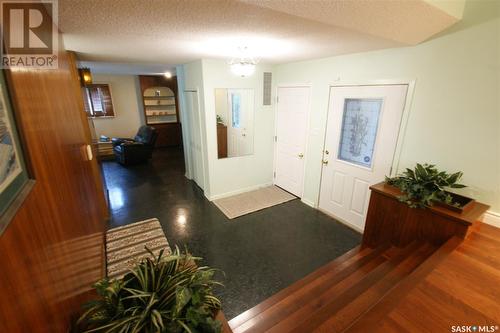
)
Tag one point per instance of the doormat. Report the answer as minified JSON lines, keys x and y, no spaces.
{"x":249,"y":202}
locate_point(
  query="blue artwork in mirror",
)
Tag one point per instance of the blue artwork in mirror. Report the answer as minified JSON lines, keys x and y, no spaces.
{"x":235,"y":109}
{"x":359,"y":130}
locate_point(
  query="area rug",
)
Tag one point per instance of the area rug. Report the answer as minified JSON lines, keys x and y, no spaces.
{"x":249,"y":202}
{"x":125,"y":246}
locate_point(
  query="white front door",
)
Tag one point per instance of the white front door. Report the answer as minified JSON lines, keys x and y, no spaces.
{"x":195,"y":137}
{"x":361,"y":136}
{"x":240,"y":124}
{"x":291,"y":136}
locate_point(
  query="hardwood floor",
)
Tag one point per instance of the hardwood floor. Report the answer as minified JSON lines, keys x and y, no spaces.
{"x":462,"y":289}
{"x":419,"y":288}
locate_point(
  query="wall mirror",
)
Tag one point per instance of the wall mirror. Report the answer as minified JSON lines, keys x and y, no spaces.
{"x":234,"y":110}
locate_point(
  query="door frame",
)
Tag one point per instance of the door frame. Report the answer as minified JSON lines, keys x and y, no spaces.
{"x":306,"y":147}
{"x":401,"y":132}
{"x":191,"y":166}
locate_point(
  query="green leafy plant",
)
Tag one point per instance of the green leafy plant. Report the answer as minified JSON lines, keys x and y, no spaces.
{"x":219,"y":120}
{"x":161,"y":294}
{"x":425,"y":185}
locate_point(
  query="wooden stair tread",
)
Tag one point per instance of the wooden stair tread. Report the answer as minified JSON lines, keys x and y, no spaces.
{"x":370,"y":298}
{"x":337,"y":277}
{"x":457,"y":285}
{"x":321,"y":315}
{"x":334,"y":266}
{"x":332,"y":298}
{"x":372,"y":316}
{"x":305,"y":307}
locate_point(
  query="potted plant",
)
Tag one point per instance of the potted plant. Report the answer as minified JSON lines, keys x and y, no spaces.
{"x":219,"y":120}
{"x":161,"y":294}
{"x":425,"y":186}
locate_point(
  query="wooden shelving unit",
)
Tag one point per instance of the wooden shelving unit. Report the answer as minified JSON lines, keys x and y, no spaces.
{"x":160,"y":103}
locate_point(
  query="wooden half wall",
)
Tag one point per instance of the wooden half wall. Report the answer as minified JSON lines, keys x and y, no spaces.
{"x":53,"y":248}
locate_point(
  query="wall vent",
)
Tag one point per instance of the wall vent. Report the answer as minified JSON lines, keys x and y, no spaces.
{"x":268,"y":81}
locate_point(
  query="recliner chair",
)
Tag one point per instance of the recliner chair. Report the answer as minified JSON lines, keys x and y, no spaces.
{"x":139,"y":149}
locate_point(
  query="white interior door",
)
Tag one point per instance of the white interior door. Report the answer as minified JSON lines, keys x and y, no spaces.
{"x":240,"y":124}
{"x":291,"y":136}
{"x":195,"y":137}
{"x":362,"y":132}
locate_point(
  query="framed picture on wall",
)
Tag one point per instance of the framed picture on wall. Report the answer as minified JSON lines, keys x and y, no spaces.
{"x":14,"y":179}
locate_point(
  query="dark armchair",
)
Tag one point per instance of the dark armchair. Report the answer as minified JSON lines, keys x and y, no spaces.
{"x":139,"y":149}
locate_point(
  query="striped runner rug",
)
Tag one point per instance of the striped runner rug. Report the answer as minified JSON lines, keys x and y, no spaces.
{"x":125,"y":246}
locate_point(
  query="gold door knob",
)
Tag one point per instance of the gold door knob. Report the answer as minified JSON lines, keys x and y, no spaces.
{"x":301,"y":155}
{"x":325,"y":162}
{"x":327,"y":152}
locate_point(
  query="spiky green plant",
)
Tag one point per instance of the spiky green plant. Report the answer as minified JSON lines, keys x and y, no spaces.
{"x":425,"y":185}
{"x":161,"y":294}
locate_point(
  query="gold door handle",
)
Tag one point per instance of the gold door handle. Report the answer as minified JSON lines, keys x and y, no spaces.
{"x":325,"y":162}
{"x":327,"y":152}
{"x":301,"y":155}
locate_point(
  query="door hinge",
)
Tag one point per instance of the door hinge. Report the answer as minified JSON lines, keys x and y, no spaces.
{"x":390,"y":172}
{"x":274,"y":174}
{"x":275,"y":138}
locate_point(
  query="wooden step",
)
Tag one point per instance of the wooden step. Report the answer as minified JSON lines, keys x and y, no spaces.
{"x":348,"y":314}
{"x":458,"y":283}
{"x":337,"y":264}
{"x":333,"y":297}
{"x":370,"y":318}
{"x":277,"y":307}
{"x":309,"y":321}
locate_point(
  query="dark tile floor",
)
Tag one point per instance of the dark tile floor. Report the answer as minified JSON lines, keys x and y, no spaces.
{"x":260,"y":253}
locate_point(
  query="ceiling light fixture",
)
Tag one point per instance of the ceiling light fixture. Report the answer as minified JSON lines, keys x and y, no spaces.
{"x":244,"y":65}
{"x":168,"y":75}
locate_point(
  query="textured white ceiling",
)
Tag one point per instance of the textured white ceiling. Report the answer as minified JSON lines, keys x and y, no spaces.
{"x":405,"y":21}
{"x":275,"y":31}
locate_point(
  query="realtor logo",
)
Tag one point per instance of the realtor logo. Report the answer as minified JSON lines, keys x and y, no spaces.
{"x":29,"y":34}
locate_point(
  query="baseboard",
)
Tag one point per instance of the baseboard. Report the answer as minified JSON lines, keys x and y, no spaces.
{"x":239,"y":191}
{"x":492,"y":218}
{"x":308,"y":202}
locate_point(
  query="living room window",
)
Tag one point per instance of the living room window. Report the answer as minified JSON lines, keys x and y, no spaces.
{"x":97,"y":100}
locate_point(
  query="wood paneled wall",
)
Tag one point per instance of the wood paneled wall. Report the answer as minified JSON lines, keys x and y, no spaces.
{"x":52,"y":251}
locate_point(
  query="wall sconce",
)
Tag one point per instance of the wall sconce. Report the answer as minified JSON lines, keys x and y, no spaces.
{"x":85,"y":76}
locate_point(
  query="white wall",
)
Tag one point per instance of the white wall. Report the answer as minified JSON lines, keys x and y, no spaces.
{"x":232,"y":175}
{"x":237,"y":174}
{"x":454,"y":119}
{"x":193,"y":81}
{"x":127,"y":104}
